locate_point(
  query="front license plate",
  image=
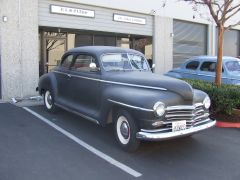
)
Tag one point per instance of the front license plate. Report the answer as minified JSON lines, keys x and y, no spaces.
{"x":178,"y":126}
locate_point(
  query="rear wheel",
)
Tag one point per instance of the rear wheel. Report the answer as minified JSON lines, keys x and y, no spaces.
{"x":125,"y":131}
{"x":49,"y":102}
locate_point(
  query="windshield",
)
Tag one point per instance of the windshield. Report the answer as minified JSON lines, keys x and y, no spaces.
{"x":124,"y":61}
{"x":233,"y":65}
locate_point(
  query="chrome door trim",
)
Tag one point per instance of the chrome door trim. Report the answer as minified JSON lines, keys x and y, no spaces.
{"x":131,"y":106}
{"x":114,"y":82}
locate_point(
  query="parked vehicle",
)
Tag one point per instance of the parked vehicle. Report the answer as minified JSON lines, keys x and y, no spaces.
{"x":115,"y":85}
{"x":203,"y":68}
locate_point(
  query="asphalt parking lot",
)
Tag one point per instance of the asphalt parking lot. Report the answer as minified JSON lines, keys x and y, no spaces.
{"x":33,"y":149}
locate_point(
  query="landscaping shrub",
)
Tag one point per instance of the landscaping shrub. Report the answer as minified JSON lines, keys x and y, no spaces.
{"x":224,"y":98}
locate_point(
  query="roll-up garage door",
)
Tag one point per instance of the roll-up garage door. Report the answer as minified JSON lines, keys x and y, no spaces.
{"x":231,"y":43}
{"x":190,"y":39}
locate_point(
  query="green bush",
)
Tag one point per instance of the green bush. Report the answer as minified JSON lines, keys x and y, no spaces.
{"x":224,"y":98}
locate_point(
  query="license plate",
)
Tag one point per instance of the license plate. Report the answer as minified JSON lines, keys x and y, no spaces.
{"x":178,"y":126}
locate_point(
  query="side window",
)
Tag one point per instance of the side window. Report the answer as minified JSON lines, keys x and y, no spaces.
{"x":208,"y":66}
{"x":193,"y":65}
{"x":66,"y":62}
{"x":82,"y":63}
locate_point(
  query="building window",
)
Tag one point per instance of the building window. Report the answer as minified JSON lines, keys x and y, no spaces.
{"x":104,"y":40}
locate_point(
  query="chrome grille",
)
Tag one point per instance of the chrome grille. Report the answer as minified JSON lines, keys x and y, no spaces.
{"x":194,"y":115}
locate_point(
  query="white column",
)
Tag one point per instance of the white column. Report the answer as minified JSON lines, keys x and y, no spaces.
{"x":19,"y":42}
{"x":211,"y":40}
{"x":163,"y":44}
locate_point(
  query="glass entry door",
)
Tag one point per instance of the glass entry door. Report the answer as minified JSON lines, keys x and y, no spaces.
{"x":53,"y":47}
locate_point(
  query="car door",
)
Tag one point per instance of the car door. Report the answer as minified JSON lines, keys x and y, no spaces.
{"x":84,"y":86}
{"x":63,"y":79}
{"x":207,"y":71}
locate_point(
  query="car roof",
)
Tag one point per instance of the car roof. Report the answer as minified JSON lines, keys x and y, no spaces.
{"x":98,"y":50}
{"x":212,"y":58}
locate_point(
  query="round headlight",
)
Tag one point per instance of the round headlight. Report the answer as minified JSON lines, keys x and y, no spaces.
{"x":159,"y":108}
{"x":207,"y":102}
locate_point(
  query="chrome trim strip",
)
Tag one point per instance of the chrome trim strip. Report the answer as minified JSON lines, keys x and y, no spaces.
{"x":155,"y":130}
{"x":202,"y":116}
{"x":209,"y":75}
{"x":150,"y":136}
{"x":134,"y":107}
{"x":77,"y":113}
{"x":113,"y":82}
{"x":184,"y":107}
{"x":179,"y":115}
{"x":201,"y":122}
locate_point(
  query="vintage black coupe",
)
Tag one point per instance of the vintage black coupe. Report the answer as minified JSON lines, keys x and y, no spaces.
{"x":115,"y":85}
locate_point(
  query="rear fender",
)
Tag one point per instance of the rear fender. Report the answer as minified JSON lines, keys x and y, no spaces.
{"x":48,"y":82}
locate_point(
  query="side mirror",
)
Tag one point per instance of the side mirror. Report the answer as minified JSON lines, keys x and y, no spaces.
{"x":153,"y":66}
{"x":93,"y":67}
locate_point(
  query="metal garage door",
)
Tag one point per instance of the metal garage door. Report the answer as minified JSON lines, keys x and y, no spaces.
{"x":190,"y":39}
{"x":231,"y":43}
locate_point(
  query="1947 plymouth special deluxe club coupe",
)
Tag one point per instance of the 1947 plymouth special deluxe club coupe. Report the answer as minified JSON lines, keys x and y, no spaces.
{"x":115,"y":85}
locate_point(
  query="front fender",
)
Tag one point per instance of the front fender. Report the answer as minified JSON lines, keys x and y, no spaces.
{"x":138,"y":101}
{"x":173,"y":74}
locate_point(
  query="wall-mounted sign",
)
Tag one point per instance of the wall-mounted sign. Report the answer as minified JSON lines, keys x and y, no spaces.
{"x":129,"y":19}
{"x":71,"y":11}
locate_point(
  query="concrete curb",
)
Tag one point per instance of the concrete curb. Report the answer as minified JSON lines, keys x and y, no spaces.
{"x":221,"y":124}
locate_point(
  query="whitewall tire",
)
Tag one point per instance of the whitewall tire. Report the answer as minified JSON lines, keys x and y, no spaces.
{"x":125,"y":131}
{"x":49,"y":101}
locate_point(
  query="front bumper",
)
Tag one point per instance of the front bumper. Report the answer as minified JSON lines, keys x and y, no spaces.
{"x":158,"y":136}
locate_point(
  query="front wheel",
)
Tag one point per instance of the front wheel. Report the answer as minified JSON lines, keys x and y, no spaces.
{"x":125,"y":131}
{"x":49,"y":102}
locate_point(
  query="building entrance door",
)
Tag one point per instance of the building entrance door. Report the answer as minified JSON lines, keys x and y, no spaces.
{"x":53,"y":47}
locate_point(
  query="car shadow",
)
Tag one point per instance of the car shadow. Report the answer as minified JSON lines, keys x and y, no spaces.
{"x":103,"y":137}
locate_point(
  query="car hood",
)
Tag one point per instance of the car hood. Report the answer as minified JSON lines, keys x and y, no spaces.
{"x":152,"y":81}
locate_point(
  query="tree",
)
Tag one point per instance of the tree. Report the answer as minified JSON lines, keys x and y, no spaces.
{"x":221,"y":12}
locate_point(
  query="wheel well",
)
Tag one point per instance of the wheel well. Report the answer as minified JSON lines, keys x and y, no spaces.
{"x":113,"y":111}
{"x":42,"y":91}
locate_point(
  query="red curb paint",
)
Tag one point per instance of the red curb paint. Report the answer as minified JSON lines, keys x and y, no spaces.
{"x":227,"y":125}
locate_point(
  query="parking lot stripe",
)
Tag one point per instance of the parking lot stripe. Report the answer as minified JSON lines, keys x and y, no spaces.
{"x":100,"y":154}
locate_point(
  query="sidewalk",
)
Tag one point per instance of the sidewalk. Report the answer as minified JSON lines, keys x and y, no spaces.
{"x":26,"y":102}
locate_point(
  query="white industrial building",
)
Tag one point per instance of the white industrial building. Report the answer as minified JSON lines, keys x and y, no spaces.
{"x":35,"y":33}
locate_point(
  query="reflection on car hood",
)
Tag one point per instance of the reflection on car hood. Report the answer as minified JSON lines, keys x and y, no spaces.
{"x":153,"y":81}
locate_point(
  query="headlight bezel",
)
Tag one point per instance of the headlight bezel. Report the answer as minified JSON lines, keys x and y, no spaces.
{"x":207,"y":102}
{"x":159,"y":109}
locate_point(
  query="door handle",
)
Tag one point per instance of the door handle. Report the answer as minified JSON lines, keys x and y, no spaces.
{"x":69,"y":75}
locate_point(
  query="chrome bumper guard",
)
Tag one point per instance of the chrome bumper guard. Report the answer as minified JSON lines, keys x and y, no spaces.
{"x":158,"y":136}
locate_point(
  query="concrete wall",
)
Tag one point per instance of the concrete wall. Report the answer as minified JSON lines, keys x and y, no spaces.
{"x":19,"y":47}
{"x":163,"y":44}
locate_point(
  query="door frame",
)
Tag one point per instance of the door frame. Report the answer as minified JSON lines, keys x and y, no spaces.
{"x":44,"y":59}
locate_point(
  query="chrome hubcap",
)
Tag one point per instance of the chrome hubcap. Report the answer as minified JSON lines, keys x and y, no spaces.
{"x":124,"y":129}
{"x":49,"y":99}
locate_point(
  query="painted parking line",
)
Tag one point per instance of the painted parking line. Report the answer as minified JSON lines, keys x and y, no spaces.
{"x":95,"y":151}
